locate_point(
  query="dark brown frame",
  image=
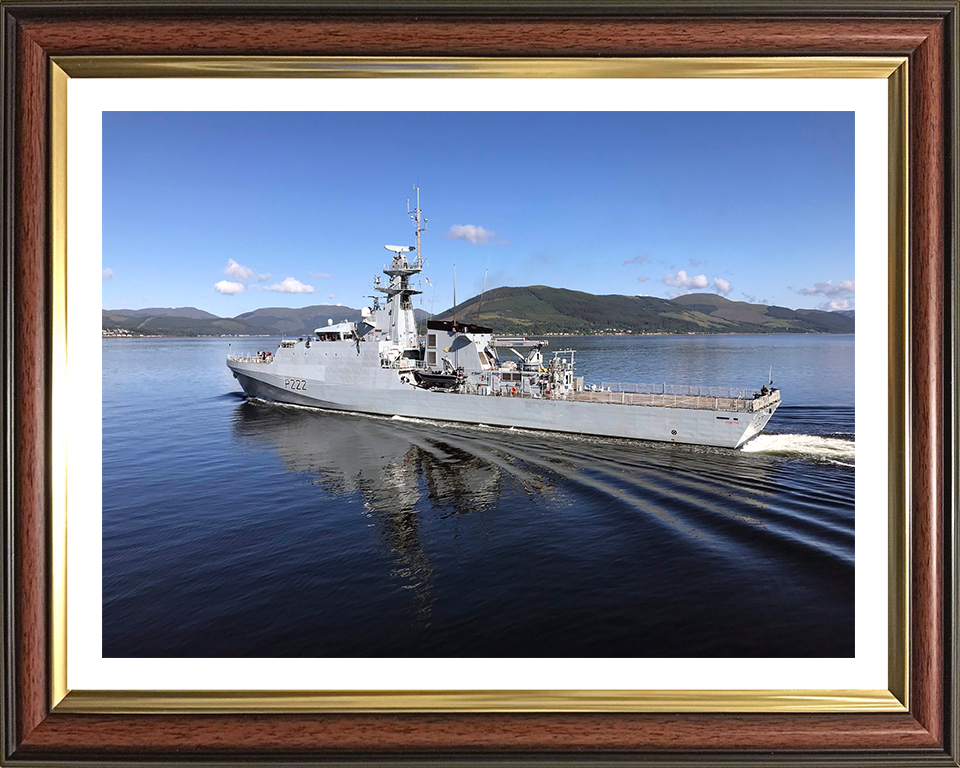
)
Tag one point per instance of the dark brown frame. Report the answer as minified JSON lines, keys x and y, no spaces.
{"x":926,"y":32}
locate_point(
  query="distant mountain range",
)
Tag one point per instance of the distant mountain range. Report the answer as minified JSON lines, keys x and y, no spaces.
{"x":192,"y":312}
{"x":531,"y":310}
{"x":190,"y":321}
{"x":538,"y":309}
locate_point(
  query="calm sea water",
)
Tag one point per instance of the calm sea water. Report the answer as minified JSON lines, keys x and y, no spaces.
{"x":236,"y":528}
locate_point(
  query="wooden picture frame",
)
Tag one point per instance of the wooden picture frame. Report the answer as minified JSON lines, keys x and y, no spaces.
{"x":41,"y":727}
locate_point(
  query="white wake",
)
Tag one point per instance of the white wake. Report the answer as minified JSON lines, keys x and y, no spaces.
{"x":832,"y":449}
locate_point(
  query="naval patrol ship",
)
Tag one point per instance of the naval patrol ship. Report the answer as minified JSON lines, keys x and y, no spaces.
{"x":463,"y":372}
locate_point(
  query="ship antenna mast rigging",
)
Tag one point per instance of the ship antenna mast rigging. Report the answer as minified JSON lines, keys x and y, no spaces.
{"x":419,"y":222}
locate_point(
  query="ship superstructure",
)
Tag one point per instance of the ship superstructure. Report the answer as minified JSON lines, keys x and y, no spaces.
{"x":463,"y":372}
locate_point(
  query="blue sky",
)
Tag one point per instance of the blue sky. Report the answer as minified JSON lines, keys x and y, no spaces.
{"x":230,"y":211}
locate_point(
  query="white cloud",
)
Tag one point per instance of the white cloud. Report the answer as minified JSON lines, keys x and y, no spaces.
{"x":332,"y":296}
{"x":695,"y":262}
{"x":682,"y":280}
{"x":237,"y":271}
{"x":642,"y":278}
{"x":838,"y":295}
{"x":842,"y":289}
{"x":227,"y":288}
{"x":471,"y":233}
{"x":640,"y":258}
{"x":836,"y":304}
{"x":108,"y":274}
{"x":263,"y":278}
{"x":290,"y":285}
{"x":722,"y":286}
{"x":320,"y":275}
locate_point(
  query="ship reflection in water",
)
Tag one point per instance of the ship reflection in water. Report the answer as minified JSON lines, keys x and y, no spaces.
{"x":519,"y":543}
{"x":398,"y":470}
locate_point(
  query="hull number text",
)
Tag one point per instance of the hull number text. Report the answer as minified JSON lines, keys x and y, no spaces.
{"x":297,"y":384}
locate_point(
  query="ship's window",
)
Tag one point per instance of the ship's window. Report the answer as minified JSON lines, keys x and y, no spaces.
{"x":432,"y":358}
{"x":432,"y":340}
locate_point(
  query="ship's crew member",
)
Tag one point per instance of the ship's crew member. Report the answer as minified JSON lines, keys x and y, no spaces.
{"x":764,"y":391}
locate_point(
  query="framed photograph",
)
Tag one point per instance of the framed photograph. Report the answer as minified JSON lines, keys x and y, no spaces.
{"x":491,"y":383}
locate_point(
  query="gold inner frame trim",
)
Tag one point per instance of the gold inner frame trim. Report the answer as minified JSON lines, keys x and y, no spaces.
{"x":59,"y":405}
{"x":232,"y":702}
{"x":893,"y":69}
{"x":423,"y":66}
{"x":898,"y":384}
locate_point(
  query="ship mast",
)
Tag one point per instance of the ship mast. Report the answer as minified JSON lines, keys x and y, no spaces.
{"x":401,"y":325}
{"x":420,"y":223}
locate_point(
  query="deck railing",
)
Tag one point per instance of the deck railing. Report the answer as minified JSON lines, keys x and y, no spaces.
{"x":405,"y":364}
{"x":678,"y":389}
{"x":661,"y":400}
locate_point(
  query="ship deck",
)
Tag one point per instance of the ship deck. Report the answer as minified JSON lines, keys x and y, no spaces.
{"x":659,"y":400}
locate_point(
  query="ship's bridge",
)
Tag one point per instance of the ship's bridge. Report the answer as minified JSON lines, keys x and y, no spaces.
{"x":336,"y":332}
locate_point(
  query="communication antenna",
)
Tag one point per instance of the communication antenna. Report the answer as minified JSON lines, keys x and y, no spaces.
{"x":482,"y":290}
{"x":770,"y":376}
{"x":419,"y":222}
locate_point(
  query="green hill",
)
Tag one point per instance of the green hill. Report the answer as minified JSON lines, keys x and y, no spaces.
{"x":191,"y":312}
{"x":773,"y":318}
{"x":270,"y":321}
{"x":280,"y":321}
{"x":169,"y":325}
{"x":540,"y":309}
{"x":286,"y":321}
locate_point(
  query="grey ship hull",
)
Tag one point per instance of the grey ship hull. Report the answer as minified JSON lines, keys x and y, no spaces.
{"x":355,"y":382}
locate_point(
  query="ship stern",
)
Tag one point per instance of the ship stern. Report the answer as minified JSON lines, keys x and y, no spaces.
{"x":764,"y":407}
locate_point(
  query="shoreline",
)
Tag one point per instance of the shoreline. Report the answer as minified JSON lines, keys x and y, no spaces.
{"x":531,"y":336}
